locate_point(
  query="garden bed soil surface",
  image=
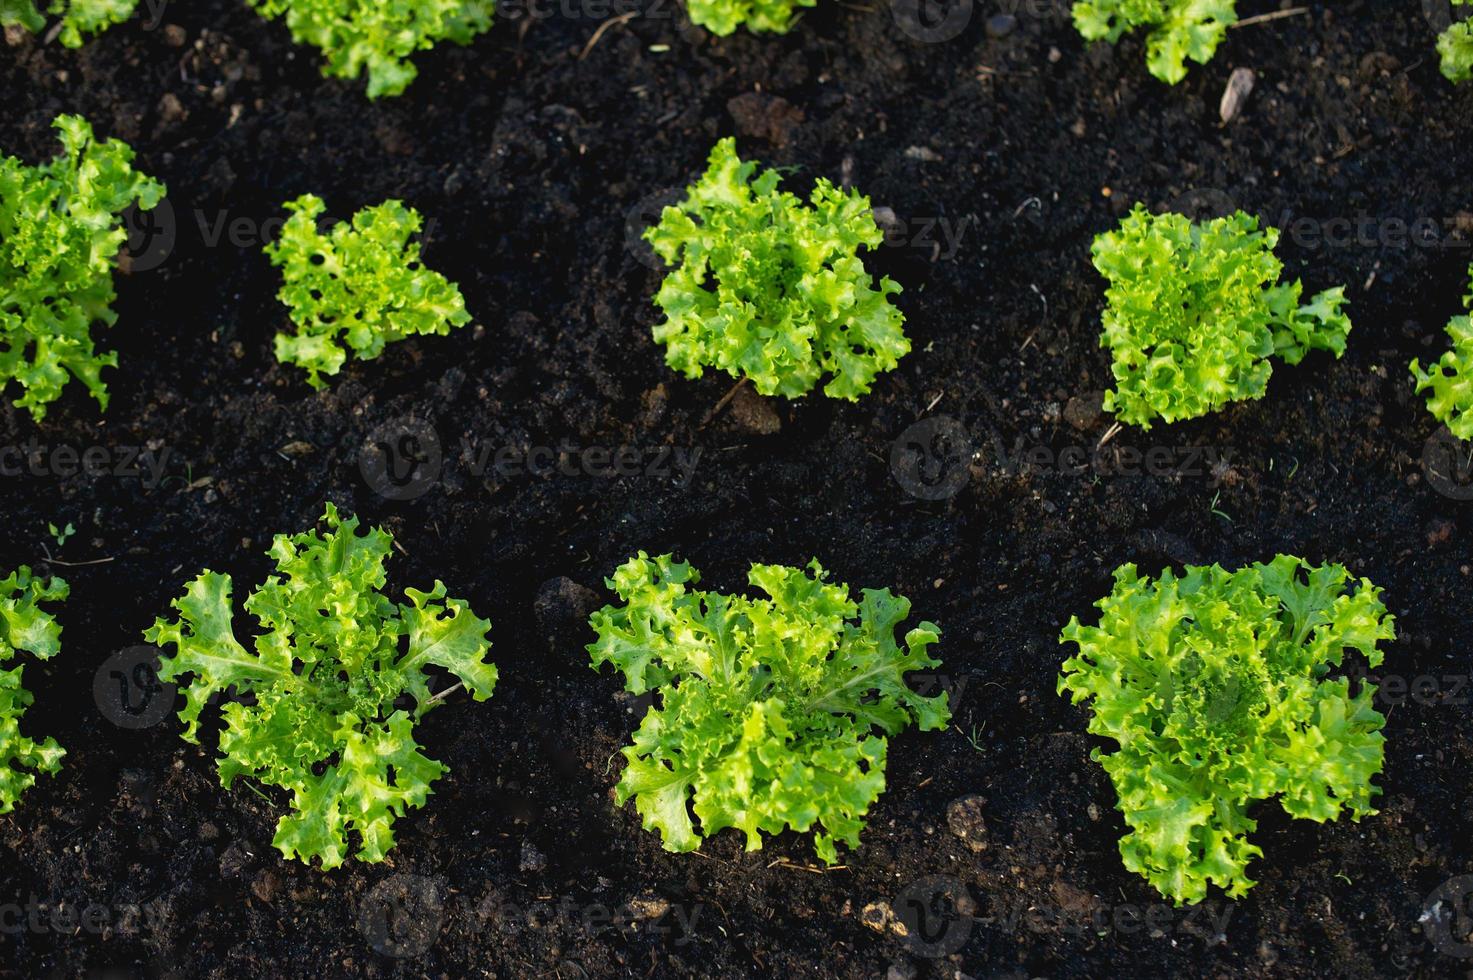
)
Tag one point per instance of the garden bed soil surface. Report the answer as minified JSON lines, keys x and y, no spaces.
{"x":535,"y":152}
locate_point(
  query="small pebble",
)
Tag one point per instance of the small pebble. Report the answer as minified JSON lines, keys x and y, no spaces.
{"x":1001,"y":25}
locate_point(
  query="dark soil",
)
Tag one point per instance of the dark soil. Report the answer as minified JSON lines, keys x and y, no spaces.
{"x":532,"y":161}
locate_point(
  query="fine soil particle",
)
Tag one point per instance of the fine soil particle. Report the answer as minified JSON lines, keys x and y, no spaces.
{"x":999,"y":153}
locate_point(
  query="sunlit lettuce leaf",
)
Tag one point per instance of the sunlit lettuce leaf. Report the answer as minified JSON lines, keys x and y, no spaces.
{"x":325,"y":700}
{"x":773,"y":713}
{"x":1194,"y":311}
{"x":60,"y":233}
{"x":722,"y":17}
{"x":379,"y":36}
{"x":24,"y":628}
{"x":1179,"y":29}
{"x":1455,"y":45}
{"x":1214,"y":688}
{"x":767,"y":289}
{"x":1449,"y":380}
{"x":358,"y":287}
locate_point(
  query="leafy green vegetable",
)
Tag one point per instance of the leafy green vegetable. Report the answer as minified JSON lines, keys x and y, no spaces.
{"x":1193,"y":314}
{"x":1451,"y":378}
{"x":767,"y":707}
{"x":1180,"y":29}
{"x":379,"y":35}
{"x":78,"y":17}
{"x":24,"y":628}
{"x":362,"y":286}
{"x":1456,"y":47}
{"x":1214,"y":687}
{"x":770,"y":290}
{"x":722,"y":17}
{"x":59,"y":234}
{"x":329,"y":679}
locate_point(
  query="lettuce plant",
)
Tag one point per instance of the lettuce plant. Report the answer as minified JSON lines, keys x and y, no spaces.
{"x":768,"y":708}
{"x":722,"y":17}
{"x":78,"y":17}
{"x":379,"y":35}
{"x":24,"y":628}
{"x":1194,"y":311}
{"x":1456,"y":47}
{"x":330,"y":691}
{"x":1450,"y":379}
{"x":359,"y":287}
{"x":767,"y":289}
{"x":60,"y":231}
{"x":1214,"y":687}
{"x":1180,"y":29}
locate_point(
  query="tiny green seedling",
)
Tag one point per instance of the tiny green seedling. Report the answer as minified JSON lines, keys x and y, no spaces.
{"x":722,"y":17}
{"x":60,"y":232}
{"x":1455,"y":45}
{"x":28,"y":629}
{"x":61,"y":535}
{"x":1179,"y":29}
{"x":380,"y":36}
{"x":1194,"y":311}
{"x":1215,"y":688}
{"x":358,"y":288}
{"x":768,"y":708}
{"x":330,"y":693}
{"x":767,"y":289}
{"x":1449,"y":380}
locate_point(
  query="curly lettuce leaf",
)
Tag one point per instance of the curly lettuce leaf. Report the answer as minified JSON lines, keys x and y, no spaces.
{"x":1193,"y":313}
{"x":1455,"y":45}
{"x":379,"y":36}
{"x":24,"y":628}
{"x":766,"y":289}
{"x":328,"y":675}
{"x":1179,"y":29}
{"x":358,"y":288}
{"x":773,"y":713}
{"x":60,"y":231}
{"x":1449,"y":380}
{"x":722,"y":17}
{"x":1214,"y":686}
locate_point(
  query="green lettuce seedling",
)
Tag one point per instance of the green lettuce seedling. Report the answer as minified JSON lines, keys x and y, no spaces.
{"x":24,"y":628}
{"x":78,"y":17}
{"x":1456,"y":47}
{"x":722,"y":17}
{"x":1451,"y":378}
{"x":359,"y":287}
{"x":768,"y":708}
{"x":380,"y":36}
{"x":60,"y":232}
{"x":1214,"y":686}
{"x":767,"y":289}
{"x":1180,"y":29}
{"x":331,"y":689}
{"x":1194,"y":311}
